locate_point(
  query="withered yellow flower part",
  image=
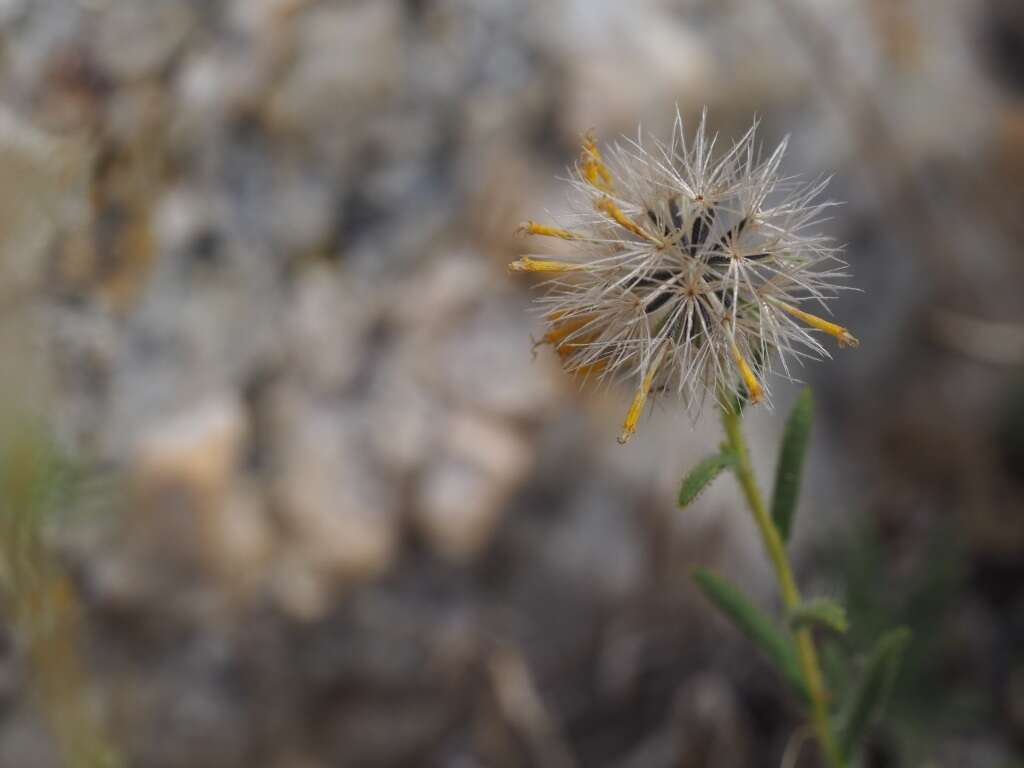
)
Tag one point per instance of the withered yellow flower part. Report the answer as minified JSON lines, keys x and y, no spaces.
{"x":562,"y":328}
{"x":754,"y":389}
{"x":563,"y":336}
{"x":533,"y":228}
{"x":530,"y":264}
{"x":608,"y":207}
{"x":843,"y":336}
{"x":589,"y":369}
{"x":593,"y":168}
{"x":640,"y":398}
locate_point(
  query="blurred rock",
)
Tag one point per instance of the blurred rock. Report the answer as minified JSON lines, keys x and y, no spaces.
{"x":444,"y":290}
{"x":298,"y":586}
{"x":10,"y":10}
{"x":328,"y":326}
{"x":139,"y":39}
{"x":240,"y":540}
{"x":197,"y":450}
{"x":326,"y":96}
{"x":712,"y":731}
{"x":648,"y":54}
{"x":405,"y":421}
{"x":183,"y":217}
{"x":303,"y":213}
{"x":185,"y":474}
{"x":463,"y":489}
{"x":188,"y":708}
{"x":212,"y":86}
{"x":457,"y":510}
{"x":38,"y":170}
{"x":474,"y":365}
{"x":331,"y":496}
{"x":25,"y":742}
{"x":599,"y":543}
{"x":1014,"y":693}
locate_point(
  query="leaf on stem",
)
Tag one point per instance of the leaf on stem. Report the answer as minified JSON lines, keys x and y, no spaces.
{"x":758,"y":627}
{"x":791,"y":462}
{"x":820,"y":612}
{"x":870,"y":695}
{"x":702,"y":475}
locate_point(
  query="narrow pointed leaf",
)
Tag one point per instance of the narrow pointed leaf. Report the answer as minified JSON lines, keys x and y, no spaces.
{"x":702,"y":475}
{"x":758,"y":627}
{"x":870,"y":695}
{"x":791,"y":463}
{"x":820,"y":612}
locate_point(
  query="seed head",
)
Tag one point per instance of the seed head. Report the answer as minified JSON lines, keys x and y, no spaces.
{"x":685,"y":271}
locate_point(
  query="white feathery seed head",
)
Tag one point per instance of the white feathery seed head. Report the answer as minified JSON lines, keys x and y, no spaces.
{"x":686,"y":269}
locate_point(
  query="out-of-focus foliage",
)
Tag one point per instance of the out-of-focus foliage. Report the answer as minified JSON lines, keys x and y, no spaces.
{"x":38,"y":488}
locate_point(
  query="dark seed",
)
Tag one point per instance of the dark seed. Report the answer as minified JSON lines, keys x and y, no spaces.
{"x":676,"y":213}
{"x":704,"y":313}
{"x":731,"y":236}
{"x":655,"y":280}
{"x":701,"y":229}
{"x":660,"y":301}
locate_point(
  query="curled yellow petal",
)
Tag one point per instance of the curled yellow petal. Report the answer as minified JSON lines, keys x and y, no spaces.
{"x":593,"y":168}
{"x":754,"y":389}
{"x":608,"y":207}
{"x":533,"y":228}
{"x":640,"y":398}
{"x":530,"y":264}
{"x":589,"y":369}
{"x":843,"y":336}
{"x":561,"y":328}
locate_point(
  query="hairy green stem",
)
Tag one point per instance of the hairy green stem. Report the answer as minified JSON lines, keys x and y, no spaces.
{"x":776,"y":550}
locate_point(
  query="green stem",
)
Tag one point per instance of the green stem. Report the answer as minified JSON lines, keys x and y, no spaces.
{"x":776,"y":550}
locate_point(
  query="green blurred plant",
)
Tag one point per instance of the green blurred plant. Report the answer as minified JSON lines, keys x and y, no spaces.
{"x":931,"y":697}
{"x":840,"y":718}
{"x":37,"y":484}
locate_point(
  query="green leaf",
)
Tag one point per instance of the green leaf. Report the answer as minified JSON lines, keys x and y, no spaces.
{"x":869,"y":697}
{"x":791,"y":463}
{"x":702,"y":475}
{"x":758,"y":627}
{"x":819,"y":611}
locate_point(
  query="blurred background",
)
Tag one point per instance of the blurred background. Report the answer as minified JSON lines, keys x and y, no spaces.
{"x":284,"y":485}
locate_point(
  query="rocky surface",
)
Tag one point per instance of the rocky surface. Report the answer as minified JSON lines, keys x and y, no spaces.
{"x":360,"y":525}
